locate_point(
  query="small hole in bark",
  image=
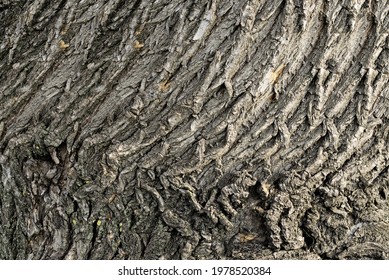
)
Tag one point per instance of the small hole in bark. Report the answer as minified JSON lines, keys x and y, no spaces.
{"x":318,"y":193}
{"x":382,"y":194}
{"x":253,"y":191}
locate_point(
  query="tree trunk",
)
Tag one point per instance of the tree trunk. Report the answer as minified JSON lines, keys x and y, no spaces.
{"x":168,"y":129}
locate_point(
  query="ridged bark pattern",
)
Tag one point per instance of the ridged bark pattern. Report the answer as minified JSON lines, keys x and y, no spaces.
{"x":171,"y":129}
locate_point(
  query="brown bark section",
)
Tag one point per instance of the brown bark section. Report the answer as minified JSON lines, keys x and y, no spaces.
{"x":194,"y":129}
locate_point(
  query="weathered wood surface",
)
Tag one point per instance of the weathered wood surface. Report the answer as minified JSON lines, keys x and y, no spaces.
{"x":167,"y":129}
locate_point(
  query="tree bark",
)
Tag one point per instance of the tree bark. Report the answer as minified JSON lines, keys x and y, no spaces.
{"x":168,"y":129}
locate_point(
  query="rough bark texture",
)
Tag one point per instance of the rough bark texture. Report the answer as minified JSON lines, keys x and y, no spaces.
{"x":172,"y":129}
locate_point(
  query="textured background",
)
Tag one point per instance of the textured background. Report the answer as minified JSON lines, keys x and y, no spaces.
{"x":168,"y":129}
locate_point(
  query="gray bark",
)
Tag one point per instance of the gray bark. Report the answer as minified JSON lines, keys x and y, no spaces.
{"x":168,"y":129}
